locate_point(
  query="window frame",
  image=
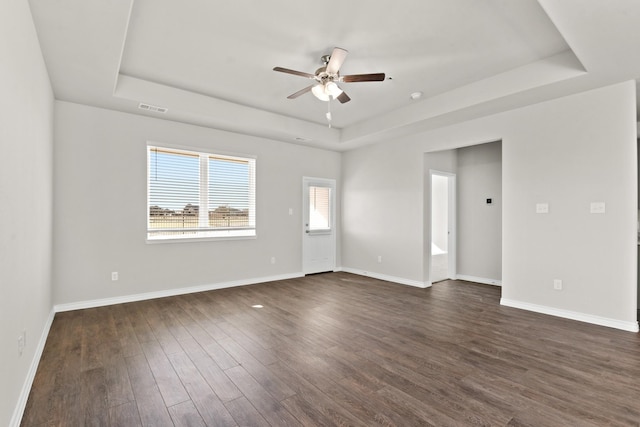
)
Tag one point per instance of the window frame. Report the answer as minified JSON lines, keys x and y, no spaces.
{"x":204,"y":234}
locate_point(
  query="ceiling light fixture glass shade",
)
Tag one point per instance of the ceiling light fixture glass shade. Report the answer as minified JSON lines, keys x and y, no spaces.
{"x":327,"y":91}
{"x":319,"y":92}
{"x":333,"y":89}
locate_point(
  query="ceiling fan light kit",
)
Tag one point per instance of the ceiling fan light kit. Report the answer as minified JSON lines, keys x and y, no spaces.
{"x":327,"y":77}
{"x":327,"y":91}
{"x":319,"y":92}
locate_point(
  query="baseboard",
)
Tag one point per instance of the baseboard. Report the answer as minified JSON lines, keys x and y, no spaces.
{"x":18,"y":411}
{"x":482,"y":280}
{"x":170,"y":292}
{"x":393,"y":279}
{"x":581,"y":317}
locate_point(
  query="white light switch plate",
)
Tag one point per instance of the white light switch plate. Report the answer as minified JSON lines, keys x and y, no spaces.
{"x":598,"y":207}
{"x":542,"y":208}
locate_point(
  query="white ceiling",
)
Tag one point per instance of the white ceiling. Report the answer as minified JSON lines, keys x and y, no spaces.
{"x":210,"y":62}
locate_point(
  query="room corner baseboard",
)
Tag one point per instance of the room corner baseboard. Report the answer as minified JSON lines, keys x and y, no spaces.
{"x":384,"y":277}
{"x":18,"y":411}
{"x":581,"y":317}
{"x":482,"y":280}
{"x":170,"y":292}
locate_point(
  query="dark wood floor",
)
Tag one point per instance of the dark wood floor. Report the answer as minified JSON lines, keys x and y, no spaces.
{"x":333,"y":349}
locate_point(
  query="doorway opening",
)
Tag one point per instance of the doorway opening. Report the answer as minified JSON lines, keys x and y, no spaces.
{"x":474,"y":246}
{"x":443,"y":226}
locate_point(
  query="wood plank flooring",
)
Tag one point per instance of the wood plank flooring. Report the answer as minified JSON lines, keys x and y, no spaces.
{"x":333,"y":349}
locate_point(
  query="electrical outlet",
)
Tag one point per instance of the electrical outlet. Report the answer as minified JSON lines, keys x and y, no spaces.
{"x":114,"y":276}
{"x":557,"y":284}
{"x":273,"y":260}
{"x":379,"y":258}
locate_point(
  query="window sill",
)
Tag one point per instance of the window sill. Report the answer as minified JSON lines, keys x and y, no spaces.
{"x":205,"y":237}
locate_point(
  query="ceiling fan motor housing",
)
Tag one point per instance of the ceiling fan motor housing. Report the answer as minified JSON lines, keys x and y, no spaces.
{"x":323,"y":77}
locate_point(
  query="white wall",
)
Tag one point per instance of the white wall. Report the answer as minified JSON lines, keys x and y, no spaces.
{"x":568,"y":152}
{"x":100,"y":207}
{"x":381,"y":215}
{"x":479,"y":224}
{"x":578,"y":150}
{"x":26,"y":117}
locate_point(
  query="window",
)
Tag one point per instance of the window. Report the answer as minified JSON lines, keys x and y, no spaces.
{"x":199,"y":195}
{"x":319,"y":203}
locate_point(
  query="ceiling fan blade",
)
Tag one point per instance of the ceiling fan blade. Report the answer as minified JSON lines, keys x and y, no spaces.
{"x":343,"y":97}
{"x":294,"y":72}
{"x":337,"y":58}
{"x":375,"y":77}
{"x":300,"y":92}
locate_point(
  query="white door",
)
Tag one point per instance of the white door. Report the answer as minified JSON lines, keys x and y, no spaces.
{"x":318,"y":225}
{"x":443,"y":226}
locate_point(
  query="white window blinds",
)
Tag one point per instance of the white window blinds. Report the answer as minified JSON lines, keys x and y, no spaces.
{"x":319,"y":208}
{"x":194,"y":195}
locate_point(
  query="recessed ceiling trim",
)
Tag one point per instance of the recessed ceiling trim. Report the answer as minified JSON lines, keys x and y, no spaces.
{"x":191,"y":107}
{"x":122,"y":46}
{"x":557,"y":68}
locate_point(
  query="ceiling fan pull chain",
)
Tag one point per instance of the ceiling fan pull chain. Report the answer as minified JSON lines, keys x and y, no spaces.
{"x":329,"y":112}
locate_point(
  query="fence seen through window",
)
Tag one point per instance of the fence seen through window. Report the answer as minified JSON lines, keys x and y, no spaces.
{"x":193,"y":194}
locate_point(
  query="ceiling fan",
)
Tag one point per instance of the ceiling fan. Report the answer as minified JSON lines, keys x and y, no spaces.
{"x":326,"y":78}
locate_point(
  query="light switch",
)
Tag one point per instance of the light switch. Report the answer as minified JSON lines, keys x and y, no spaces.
{"x":542,"y":208}
{"x":598,"y":207}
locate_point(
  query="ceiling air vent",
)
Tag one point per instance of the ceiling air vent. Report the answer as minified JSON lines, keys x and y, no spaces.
{"x":153,"y":108}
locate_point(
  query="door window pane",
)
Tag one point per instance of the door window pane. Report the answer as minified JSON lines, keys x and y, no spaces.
{"x":319,"y":208}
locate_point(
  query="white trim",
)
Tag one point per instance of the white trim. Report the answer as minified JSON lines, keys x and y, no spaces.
{"x":482,"y":280}
{"x":394,"y":279}
{"x":18,"y":411}
{"x":170,"y":292}
{"x":582,"y":317}
{"x":116,"y":70}
{"x":195,"y":149}
{"x":222,"y":236}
